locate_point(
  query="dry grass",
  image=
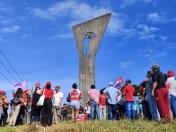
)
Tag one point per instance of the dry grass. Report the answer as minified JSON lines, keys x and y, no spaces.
{"x":103,"y":126}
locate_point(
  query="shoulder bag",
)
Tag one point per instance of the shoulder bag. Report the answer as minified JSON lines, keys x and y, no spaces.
{"x":41,"y":99}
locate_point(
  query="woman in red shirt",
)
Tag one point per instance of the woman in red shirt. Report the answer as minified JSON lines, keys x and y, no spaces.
{"x":47,"y":105}
{"x":75,"y":96}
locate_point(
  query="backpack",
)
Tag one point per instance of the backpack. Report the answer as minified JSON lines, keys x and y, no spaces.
{"x":68,"y":98}
{"x":15,"y":101}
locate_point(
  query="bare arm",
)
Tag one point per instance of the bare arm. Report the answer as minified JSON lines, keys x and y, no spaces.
{"x":154,"y":87}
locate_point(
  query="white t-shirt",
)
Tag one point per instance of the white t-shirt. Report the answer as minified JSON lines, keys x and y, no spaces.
{"x":87,"y":109}
{"x":172,"y":82}
{"x":57,"y":98}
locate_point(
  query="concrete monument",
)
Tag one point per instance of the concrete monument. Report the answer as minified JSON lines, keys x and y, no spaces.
{"x":88,"y":36}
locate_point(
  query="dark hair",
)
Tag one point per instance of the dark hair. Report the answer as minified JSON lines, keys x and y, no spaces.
{"x":101,"y":91}
{"x":128,"y":81}
{"x":149,"y":74}
{"x":155,"y":67}
{"x":165,"y":76}
{"x":74,"y":86}
{"x":19,"y":92}
{"x":57,"y":88}
{"x":36,"y":88}
{"x":48,"y":86}
{"x":92,"y":86}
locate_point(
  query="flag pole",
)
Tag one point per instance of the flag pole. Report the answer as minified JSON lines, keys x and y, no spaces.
{"x":26,"y":84}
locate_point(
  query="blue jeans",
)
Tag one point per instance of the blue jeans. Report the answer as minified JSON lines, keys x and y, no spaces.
{"x":35,"y":118}
{"x":94,"y":110}
{"x":112,"y":112}
{"x":103,"y":113}
{"x":173,"y":104}
{"x":130,"y":110}
{"x":153,"y":107}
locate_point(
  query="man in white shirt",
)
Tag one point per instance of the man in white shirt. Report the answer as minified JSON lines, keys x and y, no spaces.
{"x":112,"y":94}
{"x":57,"y":103}
{"x":172,"y":91}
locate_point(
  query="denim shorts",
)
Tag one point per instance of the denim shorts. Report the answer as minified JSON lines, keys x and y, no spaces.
{"x":75,"y":104}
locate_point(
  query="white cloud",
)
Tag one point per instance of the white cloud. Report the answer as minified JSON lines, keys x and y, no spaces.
{"x":163,"y":38}
{"x":40,"y":13}
{"x":10,"y":29}
{"x":146,"y":29}
{"x":146,"y":33}
{"x":7,"y":21}
{"x":25,"y":35}
{"x":79,"y":11}
{"x":63,"y":35}
{"x":157,"y":17}
{"x":116,"y":25}
{"x":2,"y":40}
{"x":160,"y":17}
{"x":152,"y":55}
{"x":125,"y":3}
{"x":5,"y":8}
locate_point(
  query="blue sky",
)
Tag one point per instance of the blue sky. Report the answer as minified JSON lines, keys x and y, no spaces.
{"x":37,"y":38}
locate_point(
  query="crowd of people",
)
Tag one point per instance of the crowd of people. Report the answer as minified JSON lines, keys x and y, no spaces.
{"x":154,"y":99}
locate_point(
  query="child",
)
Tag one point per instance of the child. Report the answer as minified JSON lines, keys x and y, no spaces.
{"x":139,"y":106}
{"x":64,"y":112}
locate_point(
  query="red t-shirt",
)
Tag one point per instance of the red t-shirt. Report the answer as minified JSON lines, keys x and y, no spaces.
{"x":129,"y":92}
{"x":48,"y":93}
{"x":75,"y":94}
{"x":25,"y":98}
{"x":103,"y":100}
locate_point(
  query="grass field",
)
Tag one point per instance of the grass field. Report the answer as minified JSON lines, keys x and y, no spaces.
{"x":103,"y":126}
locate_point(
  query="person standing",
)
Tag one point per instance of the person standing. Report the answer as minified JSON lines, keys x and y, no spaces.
{"x":94,"y":96}
{"x":75,"y":96}
{"x":47,"y":105}
{"x":151,"y":99}
{"x":5,"y":105}
{"x":57,"y":102}
{"x":1,"y":111}
{"x":35,"y":110}
{"x":16,"y":105}
{"x":160,"y":92}
{"x":112,"y":94}
{"x":172,"y":92}
{"x":102,"y":104}
{"x":129,"y":92}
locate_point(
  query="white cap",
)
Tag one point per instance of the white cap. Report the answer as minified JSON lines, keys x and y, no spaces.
{"x":111,"y":84}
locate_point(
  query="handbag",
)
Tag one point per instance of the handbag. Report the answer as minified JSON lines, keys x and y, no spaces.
{"x":15,"y":101}
{"x":41,"y":99}
{"x":68,"y":98}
